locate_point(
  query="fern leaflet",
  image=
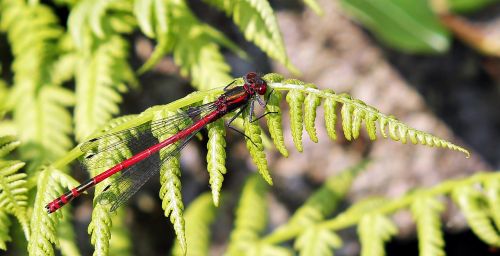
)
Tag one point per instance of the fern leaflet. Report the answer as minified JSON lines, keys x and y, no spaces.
{"x":51,"y":183}
{"x":426,"y":211}
{"x":257,"y":21}
{"x":374,"y":230}
{"x":14,"y":193}
{"x":170,"y":192}
{"x":4,"y":229}
{"x":476,"y":212}
{"x":316,"y":240}
{"x":216,"y":156}
{"x":254,"y":145}
{"x":274,"y":120}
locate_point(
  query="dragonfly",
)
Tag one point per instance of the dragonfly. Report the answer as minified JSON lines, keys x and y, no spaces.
{"x":101,"y":152}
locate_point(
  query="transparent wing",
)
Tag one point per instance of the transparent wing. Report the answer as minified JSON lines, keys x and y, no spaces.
{"x":109,"y":149}
{"x":134,"y":177}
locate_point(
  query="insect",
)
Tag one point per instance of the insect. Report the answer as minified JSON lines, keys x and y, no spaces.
{"x":140,"y":167}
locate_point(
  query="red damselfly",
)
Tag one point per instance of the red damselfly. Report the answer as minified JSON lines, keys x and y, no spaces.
{"x":140,"y":167}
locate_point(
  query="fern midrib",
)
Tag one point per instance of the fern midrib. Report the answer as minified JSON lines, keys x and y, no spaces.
{"x":341,"y":222}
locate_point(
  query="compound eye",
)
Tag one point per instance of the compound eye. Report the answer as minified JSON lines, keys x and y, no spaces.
{"x":262,"y":88}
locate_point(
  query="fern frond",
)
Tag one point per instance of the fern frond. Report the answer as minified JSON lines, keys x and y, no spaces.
{"x":316,"y":240}
{"x":120,"y":243}
{"x":4,"y":229}
{"x":195,"y":50}
{"x":200,"y":214}
{"x":274,"y":120}
{"x":326,"y":199}
{"x":426,"y":212}
{"x":14,"y":193}
{"x":492,"y":188}
{"x":7,"y":144}
{"x":154,"y":18}
{"x":353,"y":113}
{"x":251,"y":217}
{"x":40,"y":112}
{"x":99,"y":82}
{"x":93,"y":20}
{"x":216,"y":157}
{"x":374,"y":230}
{"x":319,"y":205}
{"x":51,"y":183}
{"x":476,"y":211}
{"x":253,"y":140}
{"x":170,"y":192}
{"x":256,"y":19}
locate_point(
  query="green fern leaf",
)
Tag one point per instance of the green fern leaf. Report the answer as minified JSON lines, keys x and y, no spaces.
{"x":353,"y":112}
{"x":295,"y":99}
{"x":317,"y":241}
{"x":472,"y":204}
{"x":33,"y":31}
{"x":7,"y":144}
{"x":311,"y":103}
{"x":64,"y":68}
{"x":251,"y":217}
{"x":426,"y":212}
{"x":94,"y":20}
{"x":326,"y":199}
{"x":330,"y":106}
{"x":154,"y":19}
{"x":374,"y":230}
{"x":319,"y":205}
{"x":257,"y":21}
{"x":492,"y":188}
{"x":50,"y":185}
{"x":170,"y":192}
{"x":274,"y":120}
{"x":4,"y":229}
{"x":120,"y":243}
{"x":14,"y":193}
{"x":216,"y":157}
{"x":99,"y":82}
{"x":200,"y":214}
{"x":255,"y":147}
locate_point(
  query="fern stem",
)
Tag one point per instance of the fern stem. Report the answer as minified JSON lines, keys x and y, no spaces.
{"x":343,"y":221}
